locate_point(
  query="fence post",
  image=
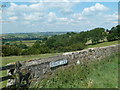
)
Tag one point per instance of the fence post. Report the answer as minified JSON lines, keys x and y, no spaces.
{"x":18,"y":74}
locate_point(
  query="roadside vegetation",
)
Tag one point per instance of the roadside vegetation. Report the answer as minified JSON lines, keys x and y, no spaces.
{"x":99,"y":74}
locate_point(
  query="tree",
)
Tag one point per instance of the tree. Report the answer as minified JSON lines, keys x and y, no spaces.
{"x":23,"y":46}
{"x":96,"y":35}
{"x":37,"y":44}
{"x":114,"y":33}
{"x":8,"y":50}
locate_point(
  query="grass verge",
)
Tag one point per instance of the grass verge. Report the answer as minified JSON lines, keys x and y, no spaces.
{"x":102,"y":74}
{"x":103,"y":44}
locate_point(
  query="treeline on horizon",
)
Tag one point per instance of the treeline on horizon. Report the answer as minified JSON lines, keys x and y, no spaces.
{"x":28,"y":36}
{"x":70,"y":41}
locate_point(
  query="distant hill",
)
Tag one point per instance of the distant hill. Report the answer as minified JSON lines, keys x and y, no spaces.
{"x":28,"y":36}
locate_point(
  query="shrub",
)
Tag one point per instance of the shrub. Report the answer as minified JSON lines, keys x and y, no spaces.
{"x":8,"y":50}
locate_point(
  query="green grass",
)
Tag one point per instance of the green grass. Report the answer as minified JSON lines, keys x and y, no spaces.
{"x":10,"y":59}
{"x":102,"y":74}
{"x":27,"y":42}
{"x":103,"y":44}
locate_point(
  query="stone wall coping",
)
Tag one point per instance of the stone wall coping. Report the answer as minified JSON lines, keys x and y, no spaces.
{"x":53,"y":58}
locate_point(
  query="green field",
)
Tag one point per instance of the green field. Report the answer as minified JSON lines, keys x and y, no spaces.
{"x":10,"y":59}
{"x":102,"y":74}
{"x":104,"y":44}
{"x":27,"y":42}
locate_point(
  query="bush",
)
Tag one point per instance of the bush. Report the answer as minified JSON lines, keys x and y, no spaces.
{"x":8,"y":50}
{"x":35,"y":50}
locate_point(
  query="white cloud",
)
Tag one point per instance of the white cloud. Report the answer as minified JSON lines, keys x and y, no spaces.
{"x":13,"y":18}
{"x":97,"y":8}
{"x":37,"y":7}
{"x":64,"y":6}
{"x":115,"y":22}
{"x":0,"y":14}
{"x":33,"y":7}
{"x":45,"y":16}
{"x":51,"y":14}
{"x":78,"y":16}
{"x":15,"y":9}
{"x":63,"y":19}
{"x":27,"y":11}
{"x":26,"y":22}
{"x":33,"y":16}
{"x":51,"y":17}
{"x":111,"y":17}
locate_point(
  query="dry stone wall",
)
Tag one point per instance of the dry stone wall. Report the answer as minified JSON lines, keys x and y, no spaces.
{"x":38,"y":68}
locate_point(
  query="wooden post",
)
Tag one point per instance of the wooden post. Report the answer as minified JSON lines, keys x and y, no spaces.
{"x":18,"y":74}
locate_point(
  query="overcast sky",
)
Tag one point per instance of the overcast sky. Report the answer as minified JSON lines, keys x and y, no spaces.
{"x":58,"y":16}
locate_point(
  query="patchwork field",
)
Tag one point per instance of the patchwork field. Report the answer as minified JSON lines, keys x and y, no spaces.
{"x":27,"y":42}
